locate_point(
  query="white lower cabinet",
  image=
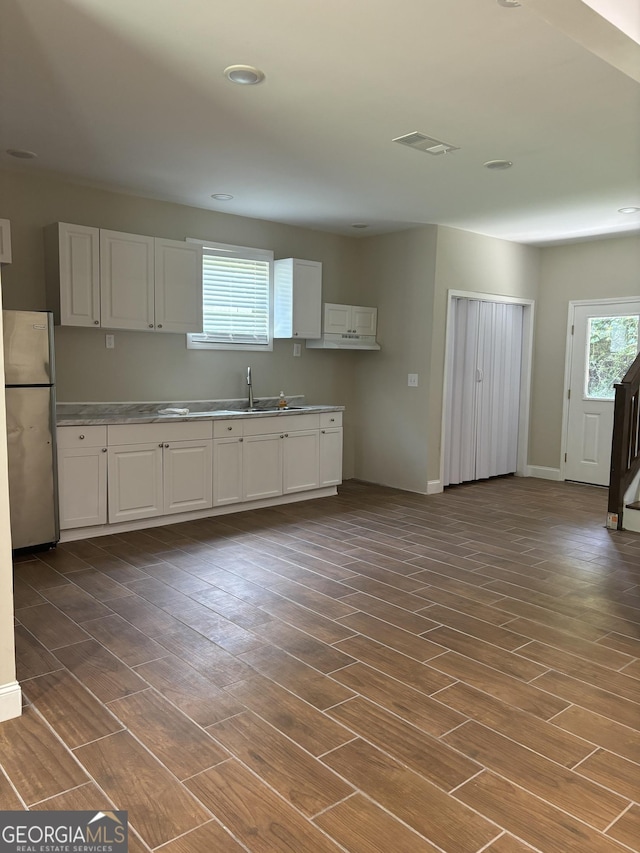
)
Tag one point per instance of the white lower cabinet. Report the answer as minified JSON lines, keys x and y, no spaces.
{"x":128,"y":472}
{"x":82,"y":474}
{"x":159,"y":469}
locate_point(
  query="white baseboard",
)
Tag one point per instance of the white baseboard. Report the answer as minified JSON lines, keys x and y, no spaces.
{"x":543,"y":473}
{"x":631,"y":520}
{"x":434,"y":487}
{"x":10,"y":701}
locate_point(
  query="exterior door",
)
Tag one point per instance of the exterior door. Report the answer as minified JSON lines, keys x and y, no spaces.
{"x":604,"y":343}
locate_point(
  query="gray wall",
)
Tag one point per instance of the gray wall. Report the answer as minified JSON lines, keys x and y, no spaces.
{"x":597,"y":269}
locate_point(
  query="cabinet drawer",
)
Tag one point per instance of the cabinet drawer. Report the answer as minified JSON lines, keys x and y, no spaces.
{"x":331,"y":419}
{"x":82,"y":436}
{"x":280,"y":423}
{"x":227,"y":429}
{"x":143,"y":433}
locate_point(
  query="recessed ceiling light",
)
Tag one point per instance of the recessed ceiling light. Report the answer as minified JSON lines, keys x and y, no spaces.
{"x":222,"y":196}
{"x":21,"y":154}
{"x":629,"y":210}
{"x":508,"y":4}
{"x":498,"y":164}
{"x":359,"y":225}
{"x":245,"y":75}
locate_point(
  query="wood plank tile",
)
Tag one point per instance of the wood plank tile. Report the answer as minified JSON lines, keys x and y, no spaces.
{"x":307,"y":683}
{"x":441,"y":819}
{"x":193,"y":693}
{"x":71,"y":711}
{"x":99,"y":671}
{"x":527,"y":697}
{"x":414,"y":673}
{"x":123,"y":640}
{"x":51,"y":627}
{"x":591,"y":673}
{"x":542,"y":777}
{"x":9,"y":800}
{"x":180,"y":744}
{"x":159,"y":807}
{"x":536,"y":822}
{"x":301,"y":722}
{"x":398,"y":616}
{"x":238,"y":611}
{"x":627,"y":828}
{"x":535,"y":613}
{"x":316,"y":601}
{"x":408,"y":704}
{"x":485,"y":653}
{"x":318,"y":655}
{"x":625,"y":645}
{"x":87,"y":797}
{"x":31,"y":656}
{"x":508,"y":844}
{"x":467,"y":624}
{"x":536,"y":734}
{"x":616,"y":773}
{"x":35,"y":760}
{"x":388,"y":594}
{"x":100,"y":586}
{"x":426,"y":755}
{"x":460,"y":604}
{"x":441,"y":580}
{"x":24,"y":595}
{"x":601,"y":731}
{"x":40,"y":576}
{"x":76,"y":603}
{"x":255,"y":815}
{"x":298,"y":777}
{"x":208,"y":658}
{"x":589,"y":697}
{"x":361,"y":827}
{"x":389,"y":635}
{"x":143,"y":615}
{"x":322,"y":629}
{"x":209,"y":838}
{"x":377,"y":573}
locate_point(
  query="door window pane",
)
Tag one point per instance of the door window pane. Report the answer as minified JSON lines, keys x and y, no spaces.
{"x":613,"y":345}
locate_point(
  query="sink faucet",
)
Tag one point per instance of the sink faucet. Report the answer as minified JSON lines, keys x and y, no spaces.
{"x":250,"y":387}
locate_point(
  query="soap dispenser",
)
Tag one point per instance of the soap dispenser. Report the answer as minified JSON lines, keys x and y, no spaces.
{"x":282,"y":403}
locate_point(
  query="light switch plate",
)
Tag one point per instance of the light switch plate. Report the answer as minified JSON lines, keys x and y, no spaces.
{"x":109,"y":341}
{"x":412,"y":380}
{"x":297,"y":348}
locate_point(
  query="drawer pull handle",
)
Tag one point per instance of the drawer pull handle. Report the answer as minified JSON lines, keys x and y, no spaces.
{"x":332,"y":420}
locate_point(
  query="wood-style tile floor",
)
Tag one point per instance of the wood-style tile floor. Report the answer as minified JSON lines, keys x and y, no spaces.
{"x":378,"y":671}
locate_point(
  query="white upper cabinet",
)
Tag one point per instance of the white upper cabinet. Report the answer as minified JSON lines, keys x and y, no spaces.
{"x":349,"y":319}
{"x":5,"y":241}
{"x":297,"y":298}
{"x":127,"y":298}
{"x":116,"y":280}
{"x":178,"y":307}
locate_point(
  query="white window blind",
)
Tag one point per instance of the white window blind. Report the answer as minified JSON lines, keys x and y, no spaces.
{"x":236,"y":298}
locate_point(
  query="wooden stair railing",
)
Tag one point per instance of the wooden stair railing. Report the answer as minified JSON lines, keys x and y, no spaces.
{"x":625,"y":447}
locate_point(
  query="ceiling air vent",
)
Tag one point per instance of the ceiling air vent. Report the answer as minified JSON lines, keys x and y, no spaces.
{"x":422,"y":142}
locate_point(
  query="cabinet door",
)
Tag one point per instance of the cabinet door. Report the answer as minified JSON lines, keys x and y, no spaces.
{"x":262,"y":466}
{"x":297,"y":298}
{"x":337,"y":319}
{"x":300,"y":463}
{"x":178,"y":286}
{"x":135,"y":481}
{"x":82,"y":486}
{"x":331,"y":456}
{"x":79,"y":275}
{"x":227,"y":471}
{"x":364,"y":320}
{"x":187,"y":476}
{"x":126,"y":281}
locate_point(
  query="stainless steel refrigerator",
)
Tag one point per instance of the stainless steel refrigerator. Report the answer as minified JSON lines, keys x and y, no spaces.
{"x":31,"y":418}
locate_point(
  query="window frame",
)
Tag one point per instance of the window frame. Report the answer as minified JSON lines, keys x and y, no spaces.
{"x":194,"y":339}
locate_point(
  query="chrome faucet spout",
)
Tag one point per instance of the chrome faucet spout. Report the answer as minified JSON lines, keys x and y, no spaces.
{"x":250,"y":387}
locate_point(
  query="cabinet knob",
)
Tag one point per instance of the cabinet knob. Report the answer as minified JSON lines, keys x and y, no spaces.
{"x":159,"y":325}
{"x":281,"y":435}
{"x":295,"y":334}
{"x":80,"y":437}
{"x":104,"y":449}
{"x":96,"y":322}
{"x":331,"y":420}
{"x":286,"y":435}
{"x":166,"y":445}
{"x":161,"y":445}
{"x":151,"y":325}
{"x":323,"y":430}
{"x":241,"y":439}
{"x":230,"y":428}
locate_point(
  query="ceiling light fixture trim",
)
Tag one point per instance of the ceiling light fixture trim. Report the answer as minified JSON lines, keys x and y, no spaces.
{"x":424,"y":143}
{"x":21,"y":153}
{"x":498,"y":164}
{"x":509,"y":4}
{"x":222,"y":196}
{"x":629,"y":210}
{"x":244,"y":75}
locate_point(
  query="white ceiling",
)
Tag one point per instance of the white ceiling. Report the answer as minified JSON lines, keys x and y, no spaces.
{"x":130,"y":94}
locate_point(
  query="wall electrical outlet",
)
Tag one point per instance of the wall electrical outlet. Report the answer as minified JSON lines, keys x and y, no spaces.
{"x":412,"y":380}
{"x":297,"y":349}
{"x":110,"y":341}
